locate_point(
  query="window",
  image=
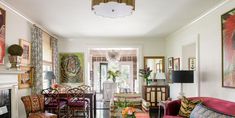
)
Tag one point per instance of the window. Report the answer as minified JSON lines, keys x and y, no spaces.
{"x":47,"y":58}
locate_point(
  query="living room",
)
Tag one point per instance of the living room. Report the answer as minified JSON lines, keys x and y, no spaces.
{"x":189,"y":29}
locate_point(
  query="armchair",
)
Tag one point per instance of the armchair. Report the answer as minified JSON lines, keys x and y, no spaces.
{"x":34,"y":107}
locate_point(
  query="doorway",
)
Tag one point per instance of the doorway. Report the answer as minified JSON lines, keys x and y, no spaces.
{"x":123,"y":60}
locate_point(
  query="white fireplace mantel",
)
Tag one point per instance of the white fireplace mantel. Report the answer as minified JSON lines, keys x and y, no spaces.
{"x":11,"y":72}
{"x":9,"y":80}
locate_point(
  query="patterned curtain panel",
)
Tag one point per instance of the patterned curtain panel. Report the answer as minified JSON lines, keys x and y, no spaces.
{"x":55,"y":59}
{"x":36,"y":50}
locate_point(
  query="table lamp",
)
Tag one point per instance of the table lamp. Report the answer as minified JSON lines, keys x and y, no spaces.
{"x":161,"y":78}
{"x":50,"y":77}
{"x":182,"y":76}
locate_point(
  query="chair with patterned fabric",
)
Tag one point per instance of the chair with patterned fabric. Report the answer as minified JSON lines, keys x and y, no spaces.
{"x":77,"y":102}
{"x":52,"y":101}
{"x":34,"y":107}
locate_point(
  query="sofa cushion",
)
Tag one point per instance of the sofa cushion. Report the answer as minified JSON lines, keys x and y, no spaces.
{"x":187,"y":106}
{"x":201,"y":111}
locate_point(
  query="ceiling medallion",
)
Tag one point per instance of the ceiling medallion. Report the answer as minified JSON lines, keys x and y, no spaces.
{"x":113,"y":8}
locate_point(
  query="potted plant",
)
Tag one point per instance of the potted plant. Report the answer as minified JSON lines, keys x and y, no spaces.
{"x":113,"y":75}
{"x":15,"y":52}
{"x":145,"y":73}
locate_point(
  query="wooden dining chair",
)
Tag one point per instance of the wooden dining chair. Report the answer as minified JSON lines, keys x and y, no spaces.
{"x":77,"y":102}
{"x":85,"y":87}
{"x":53,"y":103}
{"x":34,"y":107}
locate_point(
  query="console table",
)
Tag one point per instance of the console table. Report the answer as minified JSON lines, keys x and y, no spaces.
{"x":155,"y":93}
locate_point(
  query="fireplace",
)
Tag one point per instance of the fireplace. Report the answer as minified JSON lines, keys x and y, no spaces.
{"x":9,"y":94}
{"x":5,"y":103}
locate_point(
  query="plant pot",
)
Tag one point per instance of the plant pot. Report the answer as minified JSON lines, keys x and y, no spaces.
{"x":114,"y":80}
{"x":15,"y":61}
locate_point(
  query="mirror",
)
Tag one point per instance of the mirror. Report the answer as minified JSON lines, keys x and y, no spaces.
{"x":155,"y":63}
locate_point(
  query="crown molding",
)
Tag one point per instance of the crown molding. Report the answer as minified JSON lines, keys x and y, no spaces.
{"x":11,"y":8}
{"x":197,"y":19}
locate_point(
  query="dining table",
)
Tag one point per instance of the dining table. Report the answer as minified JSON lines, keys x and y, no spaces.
{"x":91,"y":95}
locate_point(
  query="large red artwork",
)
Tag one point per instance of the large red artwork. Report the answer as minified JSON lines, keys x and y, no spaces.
{"x":2,"y":35}
{"x":228,"y":49}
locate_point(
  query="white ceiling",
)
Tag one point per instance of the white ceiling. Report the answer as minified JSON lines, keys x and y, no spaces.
{"x":71,"y":19}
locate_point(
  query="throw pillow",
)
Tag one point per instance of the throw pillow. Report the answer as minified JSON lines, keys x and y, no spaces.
{"x":187,"y":106}
{"x":201,"y":111}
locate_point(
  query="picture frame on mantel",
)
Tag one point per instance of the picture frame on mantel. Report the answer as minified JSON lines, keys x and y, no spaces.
{"x":26,"y":56}
{"x":228,"y":49}
{"x":25,"y":79}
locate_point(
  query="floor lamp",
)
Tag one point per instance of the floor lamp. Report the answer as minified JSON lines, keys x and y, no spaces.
{"x":182,"y":76}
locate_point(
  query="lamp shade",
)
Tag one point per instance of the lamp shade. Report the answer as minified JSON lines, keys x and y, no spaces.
{"x":182,"y":76}
{"x":160,"y":76}
{"x":49,"y":75}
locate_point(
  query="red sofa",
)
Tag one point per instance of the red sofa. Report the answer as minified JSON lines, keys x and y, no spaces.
{"x":222,"y":106}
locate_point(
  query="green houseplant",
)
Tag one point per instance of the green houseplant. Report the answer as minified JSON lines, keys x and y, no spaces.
{"x":15,"y":52}
{"x":145,"y":73}
{"x":113,"y":75}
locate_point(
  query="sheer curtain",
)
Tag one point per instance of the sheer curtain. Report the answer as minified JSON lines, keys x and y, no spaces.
{"x":36,"y":57}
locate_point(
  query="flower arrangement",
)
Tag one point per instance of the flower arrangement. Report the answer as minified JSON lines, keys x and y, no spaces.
{"x":55,"y":86}
{"x":113,"y":74}
{"x":128,"y":112}
{"x":145,"y":73}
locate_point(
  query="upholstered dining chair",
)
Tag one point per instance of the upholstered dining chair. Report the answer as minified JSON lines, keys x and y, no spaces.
{"x":52,"y":101}
{"x":34,"y":107}
{"x":77,"y":102}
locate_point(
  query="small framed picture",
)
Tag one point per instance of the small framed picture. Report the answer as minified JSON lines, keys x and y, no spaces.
{"x":177,"y":64}
{"x":170,"y":63}
{"x":25,"y":79}
{"x":26,"y":56}
{"x":192,"y":63}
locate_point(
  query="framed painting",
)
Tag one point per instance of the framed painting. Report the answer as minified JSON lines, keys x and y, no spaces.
{"x":72,"y":67}
{"x":25,"y":79}
{"x":177,"y":64}
{"x":26,"y":56}
{"x":2,"y":34}
{"x":192,"y":63}
{"x":228,"y":49}
{"x":170,"y":63}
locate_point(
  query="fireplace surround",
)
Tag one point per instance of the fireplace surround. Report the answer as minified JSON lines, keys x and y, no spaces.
{"x":9,"y":82}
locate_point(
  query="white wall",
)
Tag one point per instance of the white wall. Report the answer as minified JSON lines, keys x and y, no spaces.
{"x":148,"y":47}
{"x":208,"y":31}
{"x":17,"y":28}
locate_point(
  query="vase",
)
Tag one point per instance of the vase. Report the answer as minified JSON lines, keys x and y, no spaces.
{"x":15,"y":62}
{"x":114,"y":80}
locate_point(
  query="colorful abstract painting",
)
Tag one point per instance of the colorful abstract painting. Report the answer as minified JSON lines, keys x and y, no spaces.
{"x":228,"y":49}
{"x":71,"y":67}
{"x":2,"y":34}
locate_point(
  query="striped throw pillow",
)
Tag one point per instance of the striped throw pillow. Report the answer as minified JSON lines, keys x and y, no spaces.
{"x":187,"y":106}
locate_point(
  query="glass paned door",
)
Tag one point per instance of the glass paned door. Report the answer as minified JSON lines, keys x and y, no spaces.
{"x":103,"y":74}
